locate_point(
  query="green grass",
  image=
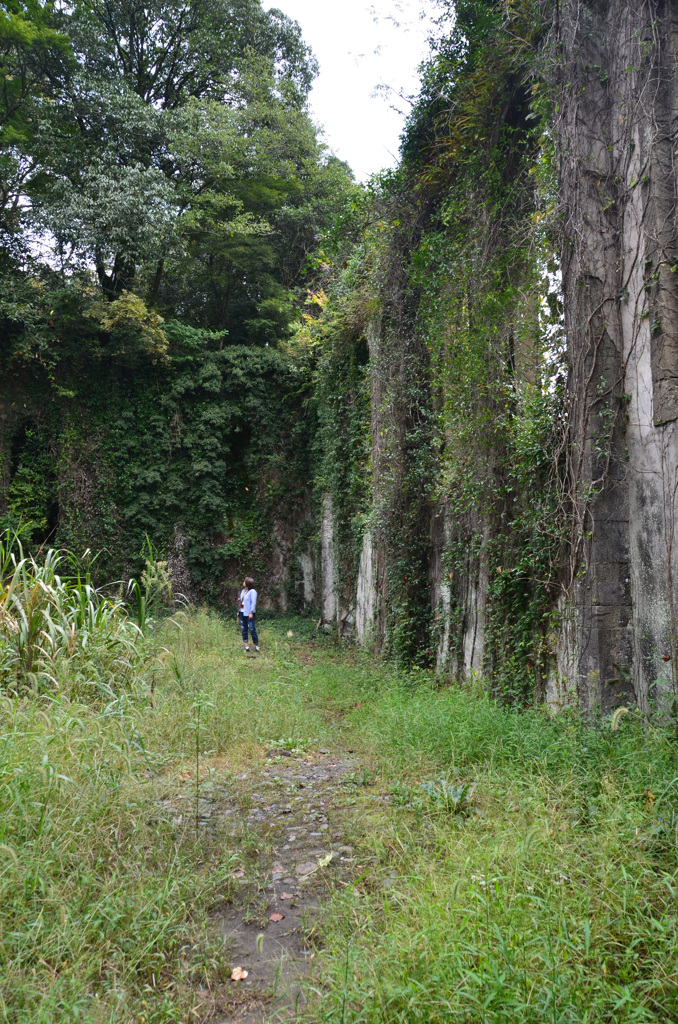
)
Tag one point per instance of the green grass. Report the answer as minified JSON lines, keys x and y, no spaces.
{"x":552,"y":900}
{"x":104,"y":901}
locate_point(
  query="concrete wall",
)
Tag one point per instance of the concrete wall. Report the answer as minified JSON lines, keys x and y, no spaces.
{"x":620,"y":187}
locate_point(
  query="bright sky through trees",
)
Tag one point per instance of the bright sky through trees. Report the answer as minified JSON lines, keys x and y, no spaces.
{"x":363,"y":46}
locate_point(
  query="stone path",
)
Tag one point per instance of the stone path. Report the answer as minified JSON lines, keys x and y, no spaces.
{"x":292,"y":825}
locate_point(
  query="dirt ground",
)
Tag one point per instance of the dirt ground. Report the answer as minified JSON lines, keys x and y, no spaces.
{"x":293,"y":824}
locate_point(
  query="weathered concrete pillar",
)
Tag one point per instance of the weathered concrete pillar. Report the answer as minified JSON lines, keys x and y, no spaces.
{"x":329,"y":591}
{"x":307,"y":570}
{"x":617,"y":135}
{"x":366,"y":594}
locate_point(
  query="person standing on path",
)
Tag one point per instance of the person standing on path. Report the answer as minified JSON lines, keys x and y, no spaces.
{"x":240,"y":606}
{"x":249,"y":614}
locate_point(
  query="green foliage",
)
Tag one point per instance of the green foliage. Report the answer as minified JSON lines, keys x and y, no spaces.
{"x":128,"y":320}
{"x":100,"y":898}
{"x":175,"y":156}
{"x":59,"y":633}
{"x":31,"y":497}
{"x":34,"y":62}
{"x":553,"y":899}
{"x":375,"y":420}
{"x":161,"y":433}
{"x":490,"y":314}
{"x":554,"y":893}
{"x":342,"y":462}
{"x":454,"y":798}
{"x":452,"y":275}
{"x":152,"y":595}
{"x":171,"y":189}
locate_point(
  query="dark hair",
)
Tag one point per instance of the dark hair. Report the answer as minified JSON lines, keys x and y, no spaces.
{"x":249,"y":582}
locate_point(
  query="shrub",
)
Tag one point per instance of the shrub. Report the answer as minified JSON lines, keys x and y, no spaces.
{"x":58,"y":631}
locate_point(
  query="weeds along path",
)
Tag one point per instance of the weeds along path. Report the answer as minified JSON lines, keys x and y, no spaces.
{"x":311,"y":836}
{"x":151,"y":824}
{"x":439,"y":858}
{"x":289,"y":802}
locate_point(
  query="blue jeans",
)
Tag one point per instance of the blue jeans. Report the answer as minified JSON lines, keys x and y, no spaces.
{"x":249,"y":623}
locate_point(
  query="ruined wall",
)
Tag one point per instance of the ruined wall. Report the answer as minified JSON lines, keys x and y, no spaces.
{"x":537,"y":530}
{"x":110,"y":457}
{"x":619,"y":188}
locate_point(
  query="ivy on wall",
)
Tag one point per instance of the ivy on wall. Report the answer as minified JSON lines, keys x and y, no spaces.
{"x":207,"y":448}
{"x":453,"y":276}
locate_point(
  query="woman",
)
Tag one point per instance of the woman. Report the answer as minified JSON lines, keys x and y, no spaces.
{"x":249,"y":614}
{"x":238,"y":614}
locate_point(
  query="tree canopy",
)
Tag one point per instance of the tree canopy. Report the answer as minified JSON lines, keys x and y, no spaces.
{"x":164,"y":148}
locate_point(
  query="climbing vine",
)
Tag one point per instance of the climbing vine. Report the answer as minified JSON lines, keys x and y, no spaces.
{"x":202,"y":448}
{"x":455,"y":274}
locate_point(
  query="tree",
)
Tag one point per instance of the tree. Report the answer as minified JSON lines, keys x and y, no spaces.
{"x":168,"y":50}
{"x":258,"y":190}
{"x":34,"y":62}
{"x":152,"y":144}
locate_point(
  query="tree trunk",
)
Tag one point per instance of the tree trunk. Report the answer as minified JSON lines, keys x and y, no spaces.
{"x":120,"y":278}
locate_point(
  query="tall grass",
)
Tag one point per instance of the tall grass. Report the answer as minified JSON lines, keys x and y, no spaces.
{"x":58,"y":631}
{"x":109,"y":882}
{"x":555,"y":901}
{"x":102,"y":901}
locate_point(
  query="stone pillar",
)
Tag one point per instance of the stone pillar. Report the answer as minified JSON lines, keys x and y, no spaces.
{"x":329,"y":591}
{"x":617,"y":137}
{"x":366,"y":594}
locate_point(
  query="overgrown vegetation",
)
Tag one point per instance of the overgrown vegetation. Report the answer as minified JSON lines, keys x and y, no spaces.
{"x":61,"y":634}
{"x":443,"y":308}
{"x":553,"y":900}
{"x":522,"y":867}
{"x":163,"y":189}
{"x":105,"y":896}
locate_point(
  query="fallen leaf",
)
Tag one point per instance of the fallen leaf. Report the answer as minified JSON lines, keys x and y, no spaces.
{"x":276,"y":917}
{"x":238,"y":974}
{"x":324,"y":861}
{"x":287,"y":895}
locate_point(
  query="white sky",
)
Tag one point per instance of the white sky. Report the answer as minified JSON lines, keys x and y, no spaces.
{"x":361,"y":45}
